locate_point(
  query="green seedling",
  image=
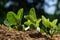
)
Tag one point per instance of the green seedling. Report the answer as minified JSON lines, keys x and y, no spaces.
{"x":14,"y":19}
{"x":49,"y":27}
{"x":32,"y":21}
{"x":58,"y":29}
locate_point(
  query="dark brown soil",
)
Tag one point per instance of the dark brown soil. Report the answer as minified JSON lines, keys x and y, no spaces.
{"x":6,"y":34}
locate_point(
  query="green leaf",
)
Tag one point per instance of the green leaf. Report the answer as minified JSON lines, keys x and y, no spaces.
{"x":37,"y":22}
{"x":58,"y":28}
{"x":7,"y":23}
{"x":28,"y":22}
{"x":45,"y":21}
{"x":20,"y":14}
{"x":53,"y":23}
{"x":32,"y":14}
{"x":11,"y":17}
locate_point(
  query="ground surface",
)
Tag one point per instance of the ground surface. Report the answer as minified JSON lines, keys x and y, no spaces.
{"x":6,"y":34}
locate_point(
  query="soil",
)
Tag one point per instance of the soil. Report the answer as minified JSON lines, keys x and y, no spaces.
{"x":6,"y":34}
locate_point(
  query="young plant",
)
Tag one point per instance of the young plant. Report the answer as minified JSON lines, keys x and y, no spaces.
{"x":58,"y":29}
{"x":14,"y":20}
{"x":32,"y":21}
{"x":49,"y":27}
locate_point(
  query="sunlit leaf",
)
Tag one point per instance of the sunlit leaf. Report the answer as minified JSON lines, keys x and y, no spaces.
{"x":11,"y":17}
{"x":37,"y":22}
{"x":20,"y":14}
{"x":28,"y":22}
{"x":53,"y":23}
{"x":32,"y":14}
{"x":45,"y":21}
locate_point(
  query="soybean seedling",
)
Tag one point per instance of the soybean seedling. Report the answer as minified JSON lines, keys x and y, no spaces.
{"x":32,"y":21}
{"x":49,"y":27}
{"x":14,"y":20}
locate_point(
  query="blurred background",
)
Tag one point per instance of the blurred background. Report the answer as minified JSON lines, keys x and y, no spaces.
{"x":48,"y":8}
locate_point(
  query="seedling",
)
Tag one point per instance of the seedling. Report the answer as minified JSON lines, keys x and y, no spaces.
{"x":49,"y":27}
{"x":58,"y":29}
{"x":14,"y":19}
{"x":32,"y":21}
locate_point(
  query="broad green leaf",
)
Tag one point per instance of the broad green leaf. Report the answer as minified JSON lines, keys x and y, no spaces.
{"x":45,"y":21}
{"x":20,"y":14}
{"x":32,"y":14}
{"x":28,"y":22}
{"x":28,"y":18}
{"x":53,"y":23}
{"x":11,"y":17}
{"x":37,"y":22}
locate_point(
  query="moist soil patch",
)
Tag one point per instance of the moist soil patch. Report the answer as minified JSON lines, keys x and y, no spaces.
{"x":6,"y":34}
